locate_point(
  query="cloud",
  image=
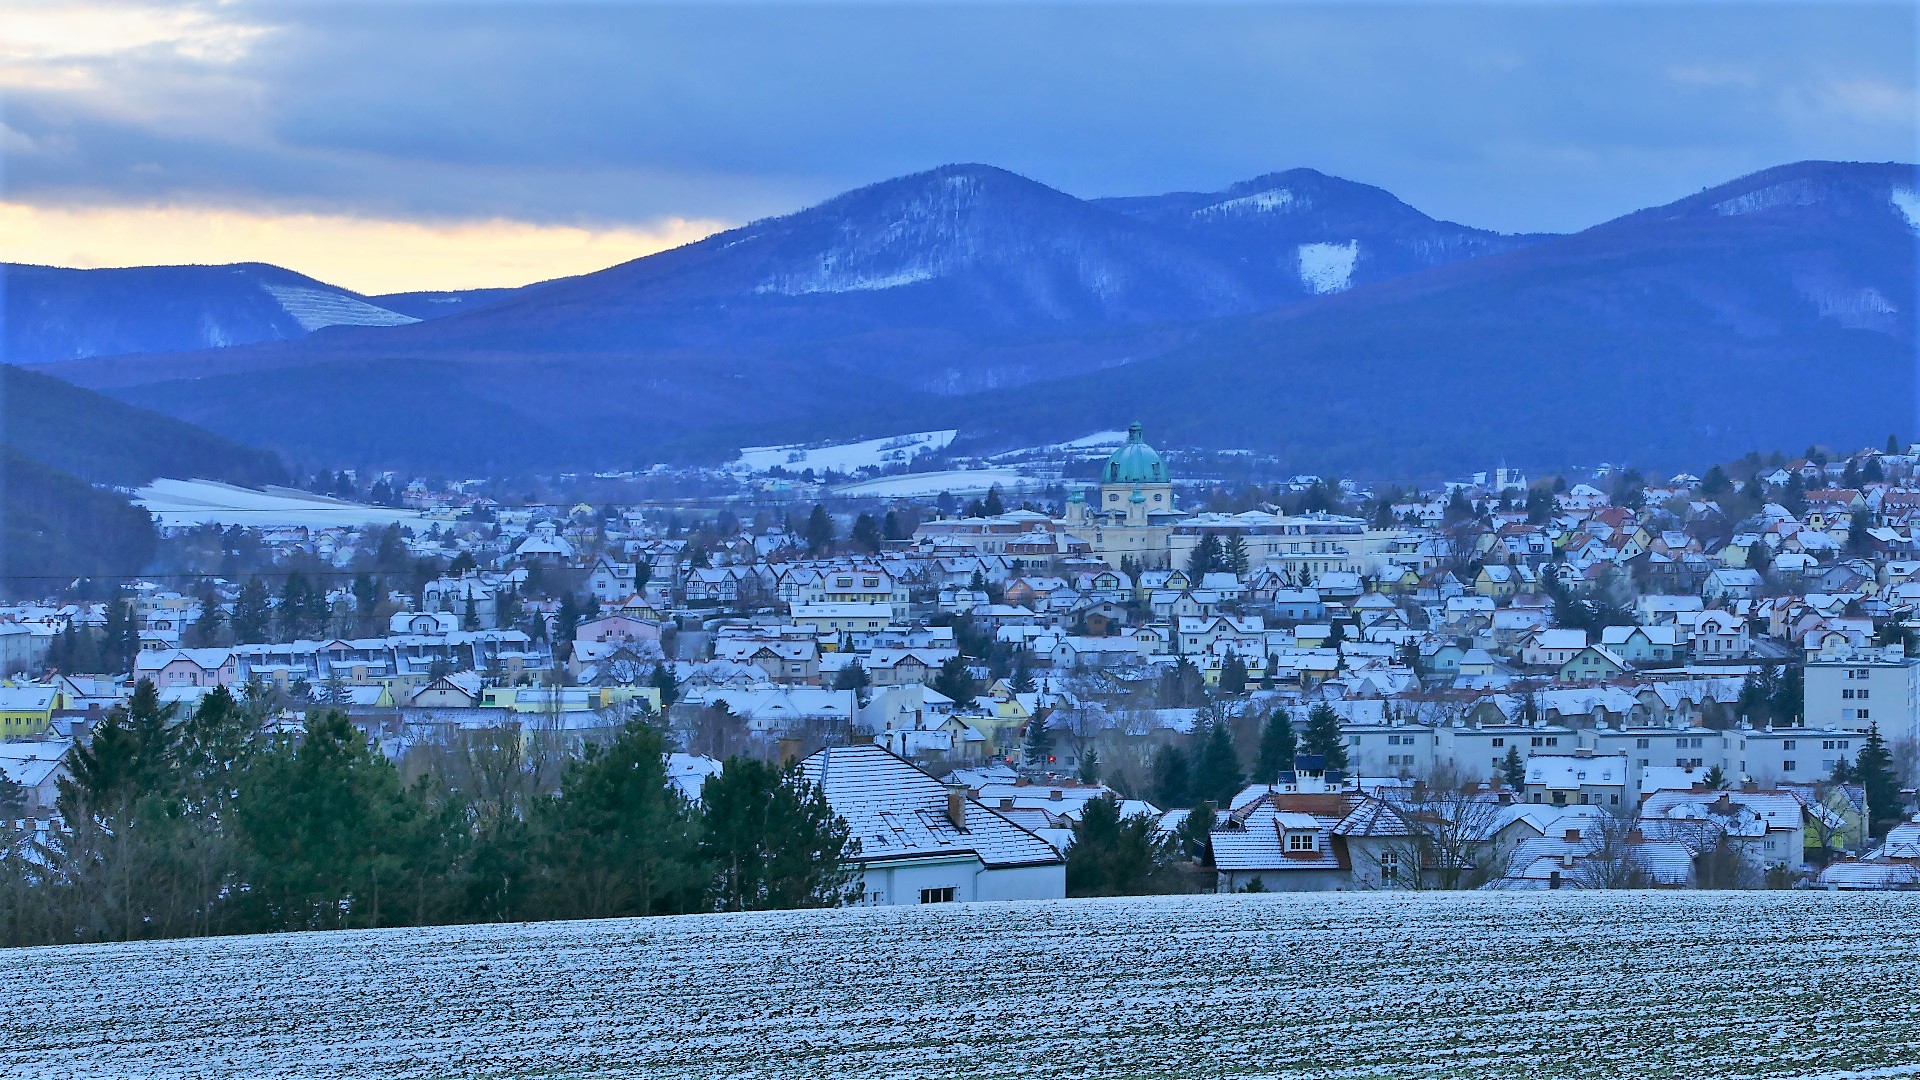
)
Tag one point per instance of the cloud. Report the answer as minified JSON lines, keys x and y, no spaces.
{"x":367,"y":255}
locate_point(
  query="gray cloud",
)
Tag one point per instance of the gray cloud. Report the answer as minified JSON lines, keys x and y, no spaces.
{"x":1508,"y":116}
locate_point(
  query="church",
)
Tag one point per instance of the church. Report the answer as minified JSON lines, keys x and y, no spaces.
{"x":1131,"y":514}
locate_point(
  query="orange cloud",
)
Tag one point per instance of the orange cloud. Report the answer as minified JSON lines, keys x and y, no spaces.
{"x":365,"y":254}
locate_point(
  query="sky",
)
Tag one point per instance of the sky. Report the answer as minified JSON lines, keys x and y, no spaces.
{"x":394,"y":146}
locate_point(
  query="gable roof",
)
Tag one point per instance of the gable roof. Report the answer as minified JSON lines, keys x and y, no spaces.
{"x":897,"y":811}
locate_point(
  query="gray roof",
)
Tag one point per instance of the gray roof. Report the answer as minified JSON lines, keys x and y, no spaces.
{"x":898,"y":812}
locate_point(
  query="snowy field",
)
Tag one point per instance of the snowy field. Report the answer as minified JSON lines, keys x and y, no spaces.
{"x":201,"y":502}
{"x":844,"y":457}
{"x":960,"y":483}
{"x":1382,"y":985}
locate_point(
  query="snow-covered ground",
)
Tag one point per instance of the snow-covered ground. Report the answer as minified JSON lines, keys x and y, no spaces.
{"x":1568,"y":985}
{"x":316,"y":308}
{"x":1328,"y":268}
{"x":844,"y":457}
{"x":203,"y":502}
{"x":959,"y":482}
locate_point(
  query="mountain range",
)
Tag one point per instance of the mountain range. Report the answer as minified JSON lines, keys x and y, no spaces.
{"x":1296,"y":313}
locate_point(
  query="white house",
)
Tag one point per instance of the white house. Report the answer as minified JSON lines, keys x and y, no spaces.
{"x":925,"y":842}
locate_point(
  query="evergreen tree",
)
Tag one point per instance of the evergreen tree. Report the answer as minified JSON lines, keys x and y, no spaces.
{"x":1235,"y":559}
{"x":1195,"y":835}
{"x":566,"y":622}
{"x":205,"y":631}
{"x":890,"y":528}
{"x":852,"y":677}
{"x":332,"y":837}
{"x":120,"y":636}
{"x":1716,"y":779}
{"x":769,"y":840}
{"x":995,"y":505}
{"x":820,"y":532}
{"x":955,"y":681}
{"x":1874,"y":770}
{"x":866,"y":533}
{"x":252,"y":613}
{"x":664,"y":682}
{"x":1112,"y":856}
{"x":1514,"y":770}
{"x":1039,"y":747}
{"x":1172,"y":777}
{"x":1206,"y":557}
{"x":620,"y":839}
{"x":1022,"y":681}
{"x":1216,"y":773}
{"x":1277,"y":747}
{"x":1323,"y":736}
{"x":471,"y":619}
{"x":1090,"y":766}
{"x":1233,"y":675}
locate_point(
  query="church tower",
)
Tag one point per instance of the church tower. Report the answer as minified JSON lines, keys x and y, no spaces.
{"x":1132,"y":513}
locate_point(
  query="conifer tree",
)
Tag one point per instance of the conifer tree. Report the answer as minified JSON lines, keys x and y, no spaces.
{"x":1216,"y":774}
{"x":1277,"y":747}
{"x":1874,"y":771}
{"x":1323,"y":736}
{"x":1513,"y":769}
{"x":769,"y":840}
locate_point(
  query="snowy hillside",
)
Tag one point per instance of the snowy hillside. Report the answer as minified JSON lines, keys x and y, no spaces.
{"x":844,"y":457}
{"x":55,"y":314}
{"x":1572,"y":985}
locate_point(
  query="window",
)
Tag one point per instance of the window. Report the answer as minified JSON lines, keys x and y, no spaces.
{"x":937,"y":896}
{"x":1389,"y":865}
{"x":1789,"y":744}
{"x":1787,"y":765}
{"x":1302,"y":841}
{"x":1499,"y":742}
{"x":1642,"y":744}
{"x":1860,"y":714}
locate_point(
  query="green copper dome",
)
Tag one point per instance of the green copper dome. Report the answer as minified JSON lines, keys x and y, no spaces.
{"x":1136,"y":462}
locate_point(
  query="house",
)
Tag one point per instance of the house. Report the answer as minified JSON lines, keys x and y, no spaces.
{"x":173,"y":668}
{"x":1582,"y":777}
{"x":1718,"y":635}
{"x":1731,"y":583}
{"x":1551,"y":648}
{"x":1592,"y":664}
{"x":925,"y":842}
{"x":38,"y":767}
{"x":26,"y":710}
{"x":1642,"y":644}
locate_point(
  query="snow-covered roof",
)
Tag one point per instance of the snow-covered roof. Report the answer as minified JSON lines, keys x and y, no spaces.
{"x":897,"y":811}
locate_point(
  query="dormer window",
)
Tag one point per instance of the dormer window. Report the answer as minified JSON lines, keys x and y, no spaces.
{"x":1302,"y":841}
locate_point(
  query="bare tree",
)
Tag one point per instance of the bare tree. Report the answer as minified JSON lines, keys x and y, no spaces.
{"x":1613,"y":859}
{"x":1449,"y":820}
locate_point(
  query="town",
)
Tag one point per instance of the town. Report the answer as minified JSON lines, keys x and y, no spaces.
{"x":1148,"y":685}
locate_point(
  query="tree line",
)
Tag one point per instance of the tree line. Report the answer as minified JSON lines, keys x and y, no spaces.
{"x":194,"y":822}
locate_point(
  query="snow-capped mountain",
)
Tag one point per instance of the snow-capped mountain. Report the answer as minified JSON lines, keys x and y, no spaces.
{"x":1304,"y":233}
{"x":55,"y":314}
{"x":1296,"y":312}
{"x":1765,"y":313}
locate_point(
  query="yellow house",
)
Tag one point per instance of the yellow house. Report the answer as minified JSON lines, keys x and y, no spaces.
{"x":26,"y":710}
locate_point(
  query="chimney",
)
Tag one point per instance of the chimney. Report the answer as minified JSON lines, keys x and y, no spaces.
{"x":1573,"y":836}
{"x":1635,"y":836}
{"x":1006,"y":804}
{"x":1056,"y":794}
{"x":957,"y":806}
{"x":789,"y":751}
